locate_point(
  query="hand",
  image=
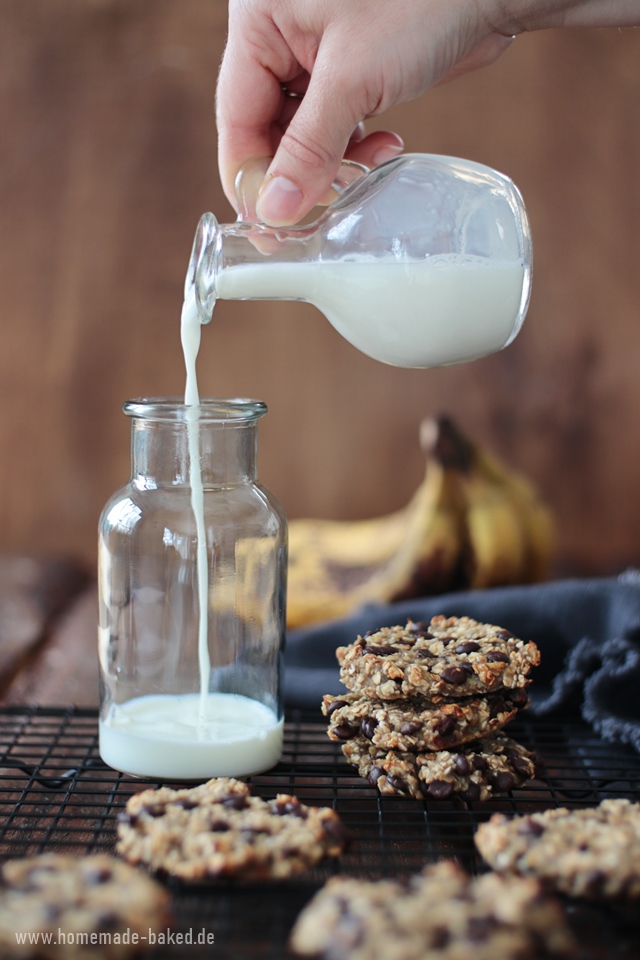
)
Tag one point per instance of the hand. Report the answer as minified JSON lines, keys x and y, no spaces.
{"x":343,"y":61}
{"x":298,"y":77}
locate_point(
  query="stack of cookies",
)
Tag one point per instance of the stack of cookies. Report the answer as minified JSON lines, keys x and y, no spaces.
{"x":426,"y":705}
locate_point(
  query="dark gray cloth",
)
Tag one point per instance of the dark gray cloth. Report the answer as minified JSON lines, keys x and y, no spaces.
{"x":588,"y":632}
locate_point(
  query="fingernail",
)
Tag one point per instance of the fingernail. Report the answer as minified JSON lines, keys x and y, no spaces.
{"x":388,"y":152}
{"x":279,"y":201}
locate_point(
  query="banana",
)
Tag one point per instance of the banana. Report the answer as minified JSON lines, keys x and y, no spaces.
{"x":472,"y":522}
{"x":509,"y":530}
{"x":335,"y":566}
{"x":534,"y":515}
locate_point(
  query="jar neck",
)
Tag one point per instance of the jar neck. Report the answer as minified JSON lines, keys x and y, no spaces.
{"x":166,"y":433}
{"x":160,"y":452}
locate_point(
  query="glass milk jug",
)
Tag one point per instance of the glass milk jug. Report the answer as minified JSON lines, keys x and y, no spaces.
{"x":184,"y":698}
{"x":423,"y":261}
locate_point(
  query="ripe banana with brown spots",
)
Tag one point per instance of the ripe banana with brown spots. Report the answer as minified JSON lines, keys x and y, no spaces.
{"x":471,"y":522}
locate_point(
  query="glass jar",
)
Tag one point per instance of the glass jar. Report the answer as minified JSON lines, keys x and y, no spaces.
{"x":191,"y":646}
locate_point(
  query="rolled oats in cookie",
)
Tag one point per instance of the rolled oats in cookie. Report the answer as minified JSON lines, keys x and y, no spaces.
{"x":93,"y":895}
{"x":442,"y":913}
{"x":417,"y":725}
{"x":592,"y":852}
{"x":219,"y":830}
{"x":476,"y":771}
{"x":446,"y":659}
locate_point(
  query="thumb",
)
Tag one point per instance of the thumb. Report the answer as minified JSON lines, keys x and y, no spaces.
{"x":310,"y":151}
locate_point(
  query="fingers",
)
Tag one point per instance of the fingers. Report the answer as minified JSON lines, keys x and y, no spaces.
{"x":375,"y":148}
{"x":312,"y":146}
{"x":249,"y":96}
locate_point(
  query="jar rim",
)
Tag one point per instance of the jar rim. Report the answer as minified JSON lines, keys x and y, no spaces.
{"x":211,"y":409}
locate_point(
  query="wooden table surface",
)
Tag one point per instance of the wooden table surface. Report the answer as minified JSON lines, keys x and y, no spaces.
{"x":48,"y":636}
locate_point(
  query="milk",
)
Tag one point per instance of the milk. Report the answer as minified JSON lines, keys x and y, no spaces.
{"x":426,"y":313}
{"x":162,"y":736}
{"x":190,"y":332}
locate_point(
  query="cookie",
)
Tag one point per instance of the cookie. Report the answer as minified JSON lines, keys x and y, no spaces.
{"x":592,"y":852}
{"x":447,"y":659}
{"x":95,"y":897}
{"x":219,"y":829}
{"x":442,"y":913}
{"x":417,"y":725}
{"x":477,"y":771}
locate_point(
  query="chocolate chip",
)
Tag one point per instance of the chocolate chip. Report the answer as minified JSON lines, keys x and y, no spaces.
{"x":529,"y":827}
{"x":396,"y":782}
{"x":219,"y":826}
{"x":420,"y":629}
{"x":505,"y":635}
{"x":472,"y":793}
{"x":445,"y":724}
{"x":235,"y":802}
{"x":497,"y":656}
{"x":335,"y":705}
{"x":439,"y":789}
{"x":502,"y":780}
{"x":186,"y":803}
{"x":467,"y":667}
{"x":374,"y":775}
{"x":440,"y":938}
{"x":469,"y":646}
{"x":462,"y":765}
{"x":130,"y":819}
{"x":96,"y":875}
{"x":335,"y":831}
{"x":497,"y":707}
{"x":521,"y":766}
{"x":384,"y":650}
{"x":453,"y":675}
{"x":155,"y":810}
{"x":408,"y":729}
{"x":445,"y":641}
{"x":291,"y":806}
{"x":479,"y":763}
{"x":424,"y":655}
{"x":480,"y":929}
{"x":368,"y":727}
{"x":344,"y":731}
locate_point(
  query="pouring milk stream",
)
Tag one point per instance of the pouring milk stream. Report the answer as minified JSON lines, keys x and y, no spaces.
{"x":424,"y":261}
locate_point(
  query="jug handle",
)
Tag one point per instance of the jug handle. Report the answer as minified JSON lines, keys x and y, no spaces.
{"x":251,"y":175}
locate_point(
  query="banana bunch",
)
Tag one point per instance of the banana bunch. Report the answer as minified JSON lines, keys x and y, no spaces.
{"x":472,"y":522}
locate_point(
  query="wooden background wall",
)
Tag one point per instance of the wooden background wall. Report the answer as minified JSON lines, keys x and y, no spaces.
{"x":107,"y":160}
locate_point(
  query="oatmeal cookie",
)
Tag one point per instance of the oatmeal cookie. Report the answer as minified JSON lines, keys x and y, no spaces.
{"x":592,"y":852}
{"x":477,"y":771}
{"x":219,"y":829}
{"x":441,"y":913}
{"x":416,"y":725}
{"x":446,"y":659}
{"x":81,"y":897}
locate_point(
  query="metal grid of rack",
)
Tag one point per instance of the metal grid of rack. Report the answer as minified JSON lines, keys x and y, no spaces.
{"x":56,"y":794}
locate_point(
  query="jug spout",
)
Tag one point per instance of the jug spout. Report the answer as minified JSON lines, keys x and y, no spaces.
{"x":240,"y":261}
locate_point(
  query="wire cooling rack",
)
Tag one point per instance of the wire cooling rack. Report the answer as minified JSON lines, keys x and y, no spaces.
{"x":56,"y":794}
